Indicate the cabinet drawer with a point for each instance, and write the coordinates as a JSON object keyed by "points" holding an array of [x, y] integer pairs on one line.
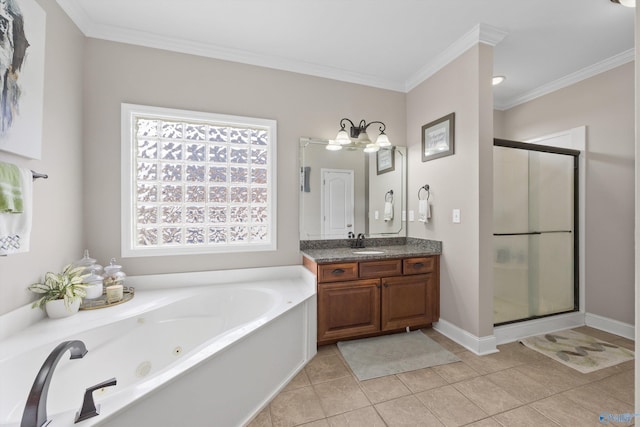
{"points": [[337, 272], [418, 265], [391, 267]]}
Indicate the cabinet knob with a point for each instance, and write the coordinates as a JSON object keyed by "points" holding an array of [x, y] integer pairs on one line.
{"points": [[386, 286], [337, 271]]}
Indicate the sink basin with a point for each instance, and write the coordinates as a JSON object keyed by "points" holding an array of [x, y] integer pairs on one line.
{"points": [[368, 252]]}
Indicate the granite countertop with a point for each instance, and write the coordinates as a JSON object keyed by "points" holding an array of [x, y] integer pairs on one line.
{"points": [[410, 248]]}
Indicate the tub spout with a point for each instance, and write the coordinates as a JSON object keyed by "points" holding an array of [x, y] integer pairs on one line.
{"points": [[35, 412]]}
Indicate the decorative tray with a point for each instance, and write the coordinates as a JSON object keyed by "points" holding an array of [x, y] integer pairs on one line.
{"points": [[101, 302]]}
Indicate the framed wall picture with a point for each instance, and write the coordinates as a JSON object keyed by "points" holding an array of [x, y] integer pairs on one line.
{"points": [[438, 138], [385, 160], [22, 31]]}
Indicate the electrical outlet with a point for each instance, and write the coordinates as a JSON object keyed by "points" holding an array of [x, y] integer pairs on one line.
{"points": [[456, 216], [376, 214], [404, 215]]}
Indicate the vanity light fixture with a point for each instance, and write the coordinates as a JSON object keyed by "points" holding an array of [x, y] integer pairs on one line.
{"points": [[496, 80], [360, 136], [627, 3]]}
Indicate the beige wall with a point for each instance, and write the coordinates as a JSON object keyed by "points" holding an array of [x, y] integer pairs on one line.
{"points": [[302, 105], [605, 104], [56, 237], [463, 181]]}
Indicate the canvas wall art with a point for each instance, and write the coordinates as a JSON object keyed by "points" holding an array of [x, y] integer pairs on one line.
{"points": [[22, 39]]}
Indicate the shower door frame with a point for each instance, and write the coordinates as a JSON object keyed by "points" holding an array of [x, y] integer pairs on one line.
{"points": [[498, 142]]}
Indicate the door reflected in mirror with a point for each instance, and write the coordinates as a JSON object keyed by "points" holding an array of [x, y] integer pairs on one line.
{"points": [[350, 191]]}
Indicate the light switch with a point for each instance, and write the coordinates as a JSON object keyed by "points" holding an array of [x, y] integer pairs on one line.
{"points": [[456, 216], [411, 216]]}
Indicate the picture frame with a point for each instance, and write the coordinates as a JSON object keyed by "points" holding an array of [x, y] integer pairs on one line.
{"points": [[438, 138], [22, 95], [385, 160]]}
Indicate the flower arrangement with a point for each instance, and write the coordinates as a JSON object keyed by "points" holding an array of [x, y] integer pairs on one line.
{"points": [[68, 285]]}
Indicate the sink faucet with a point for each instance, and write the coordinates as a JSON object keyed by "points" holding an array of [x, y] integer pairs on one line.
{"points": [[35, 412], [359, 242]]}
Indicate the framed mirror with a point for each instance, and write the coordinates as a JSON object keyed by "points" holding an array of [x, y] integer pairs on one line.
{"points": [[351, 191]]}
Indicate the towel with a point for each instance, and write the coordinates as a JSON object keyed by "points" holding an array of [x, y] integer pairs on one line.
{"points": [[10, 189], [388, 211], [424, 211], [15, 228]]}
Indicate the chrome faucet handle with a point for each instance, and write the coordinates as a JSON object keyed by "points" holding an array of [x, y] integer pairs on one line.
{"points": [[89, 408]]}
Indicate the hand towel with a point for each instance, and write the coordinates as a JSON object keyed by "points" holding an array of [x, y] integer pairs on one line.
{"points": [[388, 211], [10, 189], [424, 211], [15, 228]]}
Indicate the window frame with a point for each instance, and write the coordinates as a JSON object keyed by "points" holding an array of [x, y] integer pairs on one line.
{"points": [[129, 112]]}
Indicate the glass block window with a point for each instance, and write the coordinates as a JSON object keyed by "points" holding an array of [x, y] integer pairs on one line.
{"points": [[196, 182]]}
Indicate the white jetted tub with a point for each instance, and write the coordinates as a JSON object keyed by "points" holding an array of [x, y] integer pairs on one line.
{"points": [[190, 349]]}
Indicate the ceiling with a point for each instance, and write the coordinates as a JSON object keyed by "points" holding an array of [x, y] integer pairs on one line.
{"points": [[540, 45]]}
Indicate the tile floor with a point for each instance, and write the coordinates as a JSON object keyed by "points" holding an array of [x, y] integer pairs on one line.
{"points": [[515, 387]]}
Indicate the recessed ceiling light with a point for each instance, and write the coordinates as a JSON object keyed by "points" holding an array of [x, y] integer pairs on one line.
{"points": [[627, 3], [497, 80]]}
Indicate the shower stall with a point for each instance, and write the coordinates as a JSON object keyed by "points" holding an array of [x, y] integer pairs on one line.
{"points": [[535, 223]]}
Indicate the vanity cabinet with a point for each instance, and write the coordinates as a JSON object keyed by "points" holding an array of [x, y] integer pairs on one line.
{"points": [[367, 298]]}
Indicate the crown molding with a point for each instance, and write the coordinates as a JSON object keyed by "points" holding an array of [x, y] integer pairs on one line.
{"points": [[570, 79], [481, 33], [141, 38]]}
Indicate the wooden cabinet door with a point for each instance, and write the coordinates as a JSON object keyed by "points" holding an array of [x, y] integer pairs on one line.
{"points": [[348, 309], [409, 301]]}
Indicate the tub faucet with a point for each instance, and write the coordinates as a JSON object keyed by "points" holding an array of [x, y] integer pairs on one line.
{"points": [[35, 412]]}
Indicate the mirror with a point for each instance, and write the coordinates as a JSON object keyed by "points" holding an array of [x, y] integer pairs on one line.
{"points": [[351, 191]]}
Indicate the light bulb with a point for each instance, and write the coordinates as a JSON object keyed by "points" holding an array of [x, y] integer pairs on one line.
{"points": [[363, 138], [496, 80], [628, 3]]}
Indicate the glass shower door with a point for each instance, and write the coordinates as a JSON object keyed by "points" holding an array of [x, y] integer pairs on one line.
{"points": [[534, 233]]}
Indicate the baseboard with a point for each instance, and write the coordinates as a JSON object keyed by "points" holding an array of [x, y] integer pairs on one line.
{"points": [[610, 325], [515, 331], [478, 345]]}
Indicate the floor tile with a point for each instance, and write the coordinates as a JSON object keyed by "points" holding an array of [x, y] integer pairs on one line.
{"points": [[406, 411], [524, 416], [445, 342], [326, 368], [454, 372], [515, 387], [364, 417], [421, 379], [552, 376], [384, 388], [487, 422], [620, 386], [263, 419], [488, 396], [490, 363], [319, 423], [300, 380], [565, 412], [595, 399], [519, 385], [450, 406], [327, 350], [341, 395], [296, 407], [596, 333]]}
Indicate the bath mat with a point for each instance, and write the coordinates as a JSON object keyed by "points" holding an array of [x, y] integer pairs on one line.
{"points": [[579, 351], [392, 354]]}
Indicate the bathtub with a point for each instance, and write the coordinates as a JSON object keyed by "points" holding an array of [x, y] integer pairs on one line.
{"points": [[193, 349]]}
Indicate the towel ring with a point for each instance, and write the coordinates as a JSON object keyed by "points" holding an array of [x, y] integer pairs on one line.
{"points": [[388, 197], [425, 188]]}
